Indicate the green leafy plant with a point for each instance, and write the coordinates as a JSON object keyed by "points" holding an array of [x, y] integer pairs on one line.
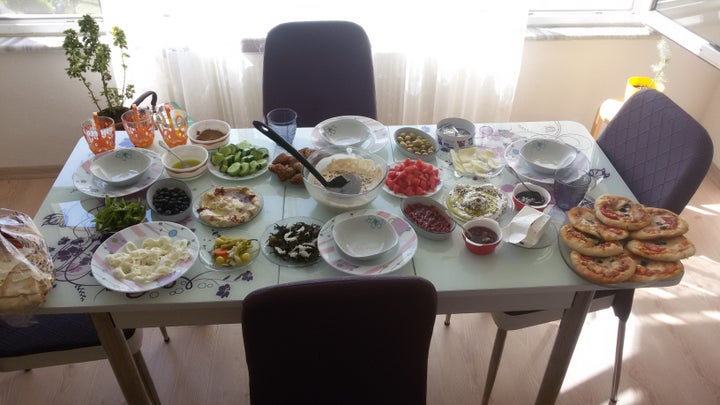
{"points": [[663, 61], [88, 55]]}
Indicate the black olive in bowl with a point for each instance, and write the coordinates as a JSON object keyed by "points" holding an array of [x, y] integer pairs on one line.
{"points": [[169, 200]]}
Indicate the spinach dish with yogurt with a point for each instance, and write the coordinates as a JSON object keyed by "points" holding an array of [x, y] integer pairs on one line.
{"points": [[296, 242], [468, 201]]}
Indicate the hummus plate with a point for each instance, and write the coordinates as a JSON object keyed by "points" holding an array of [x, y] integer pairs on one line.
{"points": [[224, 207]]}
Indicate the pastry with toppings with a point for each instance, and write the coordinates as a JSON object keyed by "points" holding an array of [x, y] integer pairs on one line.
{"points": [[468, 201], [583, 219], [621, 212], [663, 224]]}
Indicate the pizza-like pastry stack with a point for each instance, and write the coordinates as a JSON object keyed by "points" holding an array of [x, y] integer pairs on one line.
{"points": [[622, 240]]}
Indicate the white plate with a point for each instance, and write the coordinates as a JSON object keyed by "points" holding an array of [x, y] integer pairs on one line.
{"points": [[268, 251], [506, 215], [400, 195], [196, 206], [387, 263], [87, 183], [136, 234], [514, 160], [216, 171], [380, 133]]}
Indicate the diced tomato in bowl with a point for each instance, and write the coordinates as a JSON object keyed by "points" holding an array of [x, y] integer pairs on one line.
{"points": [[413, 177]]}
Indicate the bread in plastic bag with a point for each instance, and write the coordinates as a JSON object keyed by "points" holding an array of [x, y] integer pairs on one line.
{"points": [[26, 267]]}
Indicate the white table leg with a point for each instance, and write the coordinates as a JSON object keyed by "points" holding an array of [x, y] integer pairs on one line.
{"points": [[565, 341]]}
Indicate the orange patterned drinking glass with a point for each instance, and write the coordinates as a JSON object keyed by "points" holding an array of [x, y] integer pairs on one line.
{"points": [[140, 127], [99, 132], [173, 125]]}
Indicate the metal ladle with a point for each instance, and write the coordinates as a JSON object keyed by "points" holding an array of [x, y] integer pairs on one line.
{"points": [[344, 184], [183, 163]]}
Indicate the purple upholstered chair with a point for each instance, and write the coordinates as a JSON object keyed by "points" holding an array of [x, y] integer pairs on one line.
{"points": [[320, 69], [341, 340], [663, 155]]}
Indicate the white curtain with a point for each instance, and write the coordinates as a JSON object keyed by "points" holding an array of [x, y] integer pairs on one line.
{"points": [[432, 59]]}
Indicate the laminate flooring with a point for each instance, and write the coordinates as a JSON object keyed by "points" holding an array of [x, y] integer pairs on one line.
{"points": [[671, 346]]}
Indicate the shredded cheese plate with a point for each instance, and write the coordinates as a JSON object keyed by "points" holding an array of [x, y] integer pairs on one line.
{"points": [[145, 256]]}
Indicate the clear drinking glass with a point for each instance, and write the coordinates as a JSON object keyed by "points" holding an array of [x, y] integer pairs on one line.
{"points": [[571, 185], [284, 122]]}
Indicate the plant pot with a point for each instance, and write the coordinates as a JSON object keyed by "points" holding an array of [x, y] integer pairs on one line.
{"points": [[636, 83], [119, 112]]}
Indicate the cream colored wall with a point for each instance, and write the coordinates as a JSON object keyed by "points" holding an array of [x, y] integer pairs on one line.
{"points": [[40, 108]]}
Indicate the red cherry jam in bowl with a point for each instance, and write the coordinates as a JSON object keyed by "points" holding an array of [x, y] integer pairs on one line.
{"points": [[485, 235]]}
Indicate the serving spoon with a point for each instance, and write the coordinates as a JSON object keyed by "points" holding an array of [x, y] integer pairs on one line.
{"points": [[344, 184], [183, 163]]}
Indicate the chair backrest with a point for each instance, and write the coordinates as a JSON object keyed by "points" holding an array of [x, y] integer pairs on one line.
{"points": [[52, 340], [344, 340], [660, 151], [320, 69]]}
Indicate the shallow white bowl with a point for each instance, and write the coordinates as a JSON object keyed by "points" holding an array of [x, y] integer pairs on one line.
{"points": [[217, 125], [419, 135], [121, 167], [546, 156], [345, 132], [187, 152], [364, 237]]}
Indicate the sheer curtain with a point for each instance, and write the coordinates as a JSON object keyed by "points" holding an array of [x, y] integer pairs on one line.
{"points": [[432, 59]]}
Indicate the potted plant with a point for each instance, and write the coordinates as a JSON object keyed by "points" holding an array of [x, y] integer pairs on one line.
{"points": [[636, 83], [87, 55]]}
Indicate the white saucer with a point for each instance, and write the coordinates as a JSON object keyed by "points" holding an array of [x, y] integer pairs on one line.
{"points": [[387, 263], [87, 183]]}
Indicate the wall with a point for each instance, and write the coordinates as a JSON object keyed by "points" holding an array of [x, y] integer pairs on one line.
{"points": [[41, 109]]}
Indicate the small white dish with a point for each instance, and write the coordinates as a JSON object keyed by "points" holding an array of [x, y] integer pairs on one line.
{"points": [[345, 132], [193, 154], [121, 167], [380, 135], [547, 156], [218, 133], [364, 237]]}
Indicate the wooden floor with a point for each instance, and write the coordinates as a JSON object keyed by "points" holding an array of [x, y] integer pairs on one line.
{"points": [[672, 353]]}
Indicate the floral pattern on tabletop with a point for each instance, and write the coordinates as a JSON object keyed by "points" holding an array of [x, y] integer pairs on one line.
{"points": [[76, 241]]}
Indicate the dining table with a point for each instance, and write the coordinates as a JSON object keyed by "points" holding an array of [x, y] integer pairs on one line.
{"points": [[512, 278]]}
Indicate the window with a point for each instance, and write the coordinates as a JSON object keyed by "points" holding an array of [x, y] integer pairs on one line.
{"points": [[692, 25], [28, 17]]}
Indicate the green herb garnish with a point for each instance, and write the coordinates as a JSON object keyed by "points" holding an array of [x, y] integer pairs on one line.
{"points": [[119, 214]]}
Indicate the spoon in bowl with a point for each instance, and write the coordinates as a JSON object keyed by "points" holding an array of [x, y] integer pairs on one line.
{"points": [[344, 184], [184, 164], [464, 231], [534, 194]]}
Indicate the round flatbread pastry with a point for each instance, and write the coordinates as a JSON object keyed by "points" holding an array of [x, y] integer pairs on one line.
{"points": [[663, 224], [589, 245], [664, 250], [621, 212], [584, 219], [603, 270], [228, 206], [647, 270]]}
